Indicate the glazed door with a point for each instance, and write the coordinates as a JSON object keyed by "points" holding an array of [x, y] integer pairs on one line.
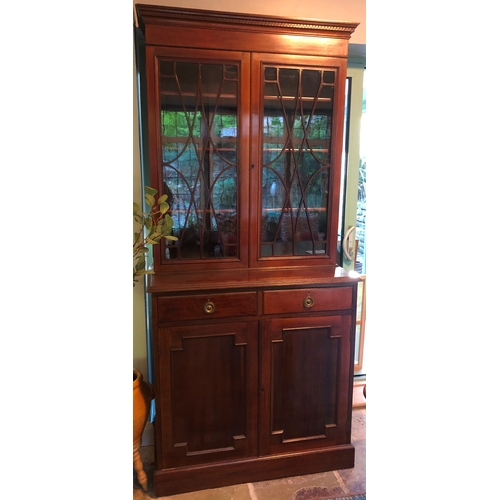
{"points": [[297, 110], [208, 401], [199, 124], [305, 387]]}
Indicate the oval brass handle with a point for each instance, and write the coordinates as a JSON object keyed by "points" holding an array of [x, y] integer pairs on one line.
{"points": [[308, 302], [209, 307]]}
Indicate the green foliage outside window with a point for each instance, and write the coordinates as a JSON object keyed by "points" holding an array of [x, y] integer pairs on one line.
{"points": [[177, 123]]}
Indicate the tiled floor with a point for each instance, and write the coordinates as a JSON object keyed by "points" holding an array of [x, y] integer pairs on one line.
{"points": [[311, 487]]}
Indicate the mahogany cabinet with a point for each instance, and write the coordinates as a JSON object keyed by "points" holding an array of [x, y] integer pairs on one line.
{"points": [[252, 319]]}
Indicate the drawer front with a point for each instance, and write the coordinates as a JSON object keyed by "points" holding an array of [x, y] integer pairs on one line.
{"points": [[207, 306], [307, 300]]}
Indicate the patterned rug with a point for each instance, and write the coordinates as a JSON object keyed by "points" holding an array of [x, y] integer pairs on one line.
{"points": [[350, 497], [326, 493]]}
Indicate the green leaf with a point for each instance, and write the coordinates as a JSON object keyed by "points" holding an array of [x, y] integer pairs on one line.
{"points": [[141, 263], [166, 228], [136, 208], [150, 200], [148, 224], [151, 241], [149, 191], [169, 222], [164, 208], [162, 199], [171, 238], [153, 231]]}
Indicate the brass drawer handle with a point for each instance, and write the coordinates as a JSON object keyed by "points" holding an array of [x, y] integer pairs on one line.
{"points": [[308, 302], [209, 307]]}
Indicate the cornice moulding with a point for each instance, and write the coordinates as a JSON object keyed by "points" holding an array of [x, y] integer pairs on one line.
{"points": [[155, 14]]}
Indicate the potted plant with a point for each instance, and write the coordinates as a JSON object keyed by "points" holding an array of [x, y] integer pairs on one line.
{"points": [[142, 397], [149, 228]]}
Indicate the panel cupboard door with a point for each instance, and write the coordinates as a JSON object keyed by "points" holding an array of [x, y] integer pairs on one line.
{"points": [[208, 400], [305, 391]]}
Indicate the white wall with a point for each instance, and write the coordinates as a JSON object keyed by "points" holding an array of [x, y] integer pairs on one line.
{"points": [[139, 335]]}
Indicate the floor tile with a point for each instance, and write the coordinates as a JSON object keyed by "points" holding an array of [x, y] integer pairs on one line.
{"points": [[297, 487], [355, 479]]}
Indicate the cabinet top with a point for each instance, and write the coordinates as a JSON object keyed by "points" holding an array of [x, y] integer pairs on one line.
{"points": [[249, 279], [163, 15]]}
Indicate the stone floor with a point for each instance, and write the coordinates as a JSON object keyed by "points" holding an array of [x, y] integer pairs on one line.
{"points": [[324, 485]]}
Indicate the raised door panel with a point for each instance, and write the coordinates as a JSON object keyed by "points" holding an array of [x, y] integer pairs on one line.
{"points": [[208, 401], [305, 389]]}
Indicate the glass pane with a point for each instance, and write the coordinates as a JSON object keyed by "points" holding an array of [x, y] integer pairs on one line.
{"points": [[297, 131], [343, 170], [356, 344], [199, 132], [361, 208]]}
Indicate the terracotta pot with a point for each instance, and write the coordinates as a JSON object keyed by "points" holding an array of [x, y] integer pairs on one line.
{"points": [[143, 394]]}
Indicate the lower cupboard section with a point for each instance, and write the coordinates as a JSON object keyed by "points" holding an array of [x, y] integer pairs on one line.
{"points": [[247, 401]]}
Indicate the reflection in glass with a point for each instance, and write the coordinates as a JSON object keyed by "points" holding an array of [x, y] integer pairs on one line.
{"points": [[297, 132], [199, 132]]}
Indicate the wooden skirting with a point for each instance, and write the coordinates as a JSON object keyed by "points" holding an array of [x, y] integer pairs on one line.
{"points": [[249, 470]]}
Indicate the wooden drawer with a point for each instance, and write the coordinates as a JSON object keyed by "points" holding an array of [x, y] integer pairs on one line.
{"points": [[307, 300], [206, 306]]}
